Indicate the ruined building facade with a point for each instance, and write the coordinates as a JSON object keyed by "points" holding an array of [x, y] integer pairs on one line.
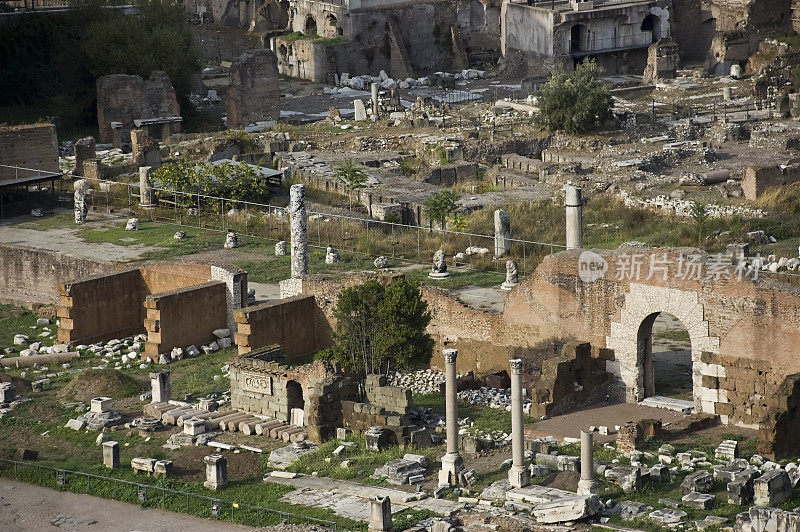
{"points": [[615, 34]]}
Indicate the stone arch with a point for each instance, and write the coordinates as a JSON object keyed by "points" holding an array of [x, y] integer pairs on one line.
{"points": [[296, 403], [578, 38], [651, 23], [310, 25], [642, 304]]}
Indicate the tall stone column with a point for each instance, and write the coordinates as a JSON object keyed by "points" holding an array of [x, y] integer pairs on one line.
{"points": [[574, 206], [299, 231], [502, 233], [587, 484], [452, 464], [519, 475]]}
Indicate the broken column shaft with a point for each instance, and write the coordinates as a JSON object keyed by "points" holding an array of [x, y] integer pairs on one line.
{"points": [[299, 231], [518, 475], [574, 206], [587, 485]]}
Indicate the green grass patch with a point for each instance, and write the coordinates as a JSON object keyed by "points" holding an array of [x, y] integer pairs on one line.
{"points": [[17, 320], [409, 517], [459, 279], [362, 463]]}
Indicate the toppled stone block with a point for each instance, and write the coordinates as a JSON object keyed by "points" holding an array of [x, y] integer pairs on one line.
{"points": [[399, 471], [75, 424], [701, 501], [726, 450], [697, 482], [667, 516], [660, 473], [628, 510], [629, 478], [285, 456], [567, 509], [740, 490], [771, 488]]}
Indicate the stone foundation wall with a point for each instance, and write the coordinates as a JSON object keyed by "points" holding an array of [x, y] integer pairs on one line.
{"points": [[393, 399], [31, 277], [757, 180], [185, 316], [293, 323], [29, 146], [359, 417], [779, 434]]}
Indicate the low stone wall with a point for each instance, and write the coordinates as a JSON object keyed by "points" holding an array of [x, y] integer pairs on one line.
{"points": [[31, 277], [449, 175], [182, 317], [360, 417], [293, 323], [393, 399], [270, 388], [101, 307]]}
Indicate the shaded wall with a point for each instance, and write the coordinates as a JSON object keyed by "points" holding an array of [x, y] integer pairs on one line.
{"points": [[293, 323], [185, 316], [101, 307], [31, 276], [29, 146]]}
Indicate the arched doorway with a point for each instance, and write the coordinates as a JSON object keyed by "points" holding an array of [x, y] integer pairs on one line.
{"points": [[311, 25], [664, 352], [578, 37], [283, 53], [330, 25], [652, 24], [296, 404]]}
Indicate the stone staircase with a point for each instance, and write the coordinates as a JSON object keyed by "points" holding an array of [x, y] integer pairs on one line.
{"points": [[228, 421]]}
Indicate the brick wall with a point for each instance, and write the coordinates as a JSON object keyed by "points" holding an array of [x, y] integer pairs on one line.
{"points": [[31, 276], [183, 317], [101, 307], [757, 180], [30, 146], [293, 323]]}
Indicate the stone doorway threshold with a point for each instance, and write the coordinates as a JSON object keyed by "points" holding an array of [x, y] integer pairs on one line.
{"points": [[669, 403]]}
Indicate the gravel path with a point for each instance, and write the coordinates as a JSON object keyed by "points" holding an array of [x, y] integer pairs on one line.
{"points": [[29, 507]]}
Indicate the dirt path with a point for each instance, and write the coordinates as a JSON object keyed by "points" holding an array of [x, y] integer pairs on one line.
{"points": [[67, 240], [28, 507]]}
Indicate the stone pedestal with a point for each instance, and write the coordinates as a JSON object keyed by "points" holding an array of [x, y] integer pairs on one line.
{"points": [[111, 454], [100, 404], [452, 463], [518, 476], [380, 518], [216, 472], [452, 469], [376, 438], [160, 386], [587, 485], [574, 206]]}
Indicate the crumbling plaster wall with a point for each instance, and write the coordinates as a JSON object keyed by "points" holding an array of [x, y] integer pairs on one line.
{"points": [[123, 98]]}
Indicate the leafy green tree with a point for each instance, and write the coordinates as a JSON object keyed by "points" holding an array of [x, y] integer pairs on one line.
{"points": [[441, 206], [699, 213], [357, 326], [574, 102], [350, 174], [380, 328], [404, 317]]}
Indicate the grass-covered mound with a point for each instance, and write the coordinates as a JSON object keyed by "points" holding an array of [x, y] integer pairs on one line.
{"points": [[100, 382]]}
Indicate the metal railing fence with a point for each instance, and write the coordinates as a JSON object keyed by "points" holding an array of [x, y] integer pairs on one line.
{"points": [[153, 495]]}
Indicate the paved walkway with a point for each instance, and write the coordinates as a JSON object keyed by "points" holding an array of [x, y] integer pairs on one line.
{"points": [[67, 240], [30, 507], [352, 500]]}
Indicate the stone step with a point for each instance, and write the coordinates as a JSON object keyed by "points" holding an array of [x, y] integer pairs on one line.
{"points": [[669, 403]]}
